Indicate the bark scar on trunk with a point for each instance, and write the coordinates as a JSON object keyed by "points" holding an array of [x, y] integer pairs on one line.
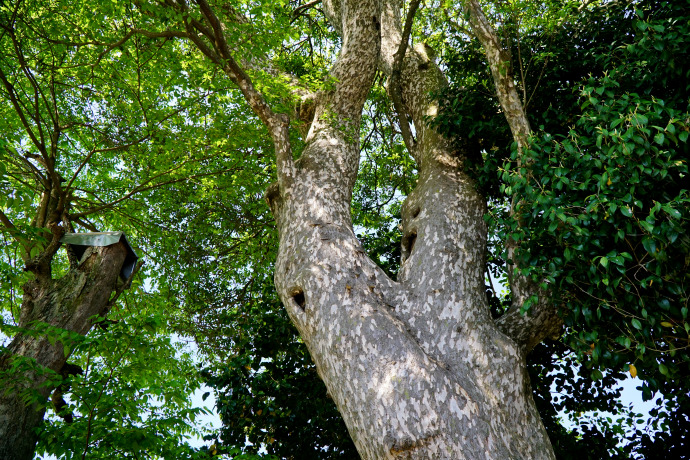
{"points": [[403, 448], [272, 197], [408, 242]]}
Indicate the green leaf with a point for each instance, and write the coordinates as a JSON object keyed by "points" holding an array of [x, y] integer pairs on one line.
{"points": [[649, 245], [647, 226], [604, 261], [674, 213]]}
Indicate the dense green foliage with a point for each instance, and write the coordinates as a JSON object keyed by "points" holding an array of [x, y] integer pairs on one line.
{"points": [[603, 214], [132, 399], [151, 138], [268, 392], [120, 124]]}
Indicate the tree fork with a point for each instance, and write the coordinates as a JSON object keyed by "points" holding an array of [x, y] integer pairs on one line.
{"points": [[416, 367]]}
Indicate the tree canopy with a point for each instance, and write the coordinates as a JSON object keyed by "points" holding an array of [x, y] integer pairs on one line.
{"points": [[123, 116]]}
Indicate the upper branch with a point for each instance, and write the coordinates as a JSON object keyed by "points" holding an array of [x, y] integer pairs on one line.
{"points": [[209, 37], [395, 87], [147, 185], [11, 92], [8, 226], [499, 62], [300, 9], [220, 45], [541, 320], [413, 77], [359, 25]]}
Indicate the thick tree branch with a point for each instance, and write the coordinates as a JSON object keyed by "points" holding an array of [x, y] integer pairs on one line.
{"points": [[14, 233], [530, 328], [419, 77]]}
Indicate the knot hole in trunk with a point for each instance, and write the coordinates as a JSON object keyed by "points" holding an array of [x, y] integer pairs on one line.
{"points": [[408, 243], [299, 299]]}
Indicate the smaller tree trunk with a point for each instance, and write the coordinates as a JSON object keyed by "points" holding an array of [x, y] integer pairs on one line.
{"points": [[68, 303]]}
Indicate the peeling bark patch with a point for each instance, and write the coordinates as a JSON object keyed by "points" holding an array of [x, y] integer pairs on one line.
{"points": [[403, 447]]}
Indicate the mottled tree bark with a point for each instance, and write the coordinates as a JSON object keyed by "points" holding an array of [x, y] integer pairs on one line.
{"points": [[68, 303], [417, 367]]}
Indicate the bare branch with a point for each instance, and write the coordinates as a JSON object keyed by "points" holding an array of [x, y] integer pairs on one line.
{"points": [[297, 11], [395, 88], [499, 62], [87, 225], [107, 149], [20, 112], [143, 188], [38, 93], [24, 161], [456, 25]]}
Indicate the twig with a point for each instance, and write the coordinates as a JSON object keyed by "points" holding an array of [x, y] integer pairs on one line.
{"points": [[395, 88], [297, 11]]}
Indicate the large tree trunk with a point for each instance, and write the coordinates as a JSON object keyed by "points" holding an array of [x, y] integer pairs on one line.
{"points": [[417, 367], [69, 303]]}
